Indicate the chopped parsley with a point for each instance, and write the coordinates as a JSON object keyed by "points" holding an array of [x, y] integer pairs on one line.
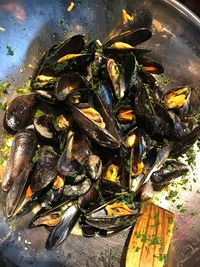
{"points": [[3, 105], [36, 156], [161, 257], [181, 208], [191, 157], [165, 79], [3, 87], [137, 249], [144, 238], [5, 147], [24, 89], [155, 240], [10, 51], [62, 23], [170, 220], [172, 195]]}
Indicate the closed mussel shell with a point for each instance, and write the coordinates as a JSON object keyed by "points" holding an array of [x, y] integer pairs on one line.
{"points": [[19, 113], [22, 151], [44, 171]]}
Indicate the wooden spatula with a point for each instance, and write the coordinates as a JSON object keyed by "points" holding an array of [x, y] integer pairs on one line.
{"points": [[150, 237]]}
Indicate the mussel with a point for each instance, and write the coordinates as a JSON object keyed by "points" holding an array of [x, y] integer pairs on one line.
{"points": [[23, 149], [19, 113], [61, 231], [97, 123]]}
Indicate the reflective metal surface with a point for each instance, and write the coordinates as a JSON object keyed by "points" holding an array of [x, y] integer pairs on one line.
{"points": [[31, 27]]}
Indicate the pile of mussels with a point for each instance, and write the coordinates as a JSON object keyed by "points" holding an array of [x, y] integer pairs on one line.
{"points": [[95, 137]]}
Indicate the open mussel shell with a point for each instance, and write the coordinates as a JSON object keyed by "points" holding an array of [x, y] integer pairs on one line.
{"points": [[116, 77], [49, 219], [46, 97], [177, 98], [110, 189], [152, 117], [106, 135], [19, 113], [49, 216], [153, 162], [23, 150], [58, 187], [62, 123], [73, 63], [130, 37], [68, 83], [150, 65], [61, 231], [123, 218], [94, 167], [134, 21], [44, 127], [75, 154], [113, 170], [73, 45], [43, 82], [122, 78], [77, 190], [125, 116]]}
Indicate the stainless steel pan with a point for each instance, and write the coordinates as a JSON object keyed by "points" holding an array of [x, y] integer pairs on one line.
{"points": [[33, 26]]}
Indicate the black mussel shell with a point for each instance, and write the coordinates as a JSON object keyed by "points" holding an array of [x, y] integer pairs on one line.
{"points": [[16, 191], [68, 83], [61, 231], [22, 151], [73, 45], [46, 97], [131, 37], [170, 171], [75, 154], [49, 216], [44, 127], [90, 198], [44, 171], [108, 136], [19, 113], [150, 65], [186, 142], [106, 95]]}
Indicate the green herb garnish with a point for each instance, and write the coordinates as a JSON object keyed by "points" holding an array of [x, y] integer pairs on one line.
{"points": [[10, 52], [62, 23], [161, 257], [165, 79]]}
